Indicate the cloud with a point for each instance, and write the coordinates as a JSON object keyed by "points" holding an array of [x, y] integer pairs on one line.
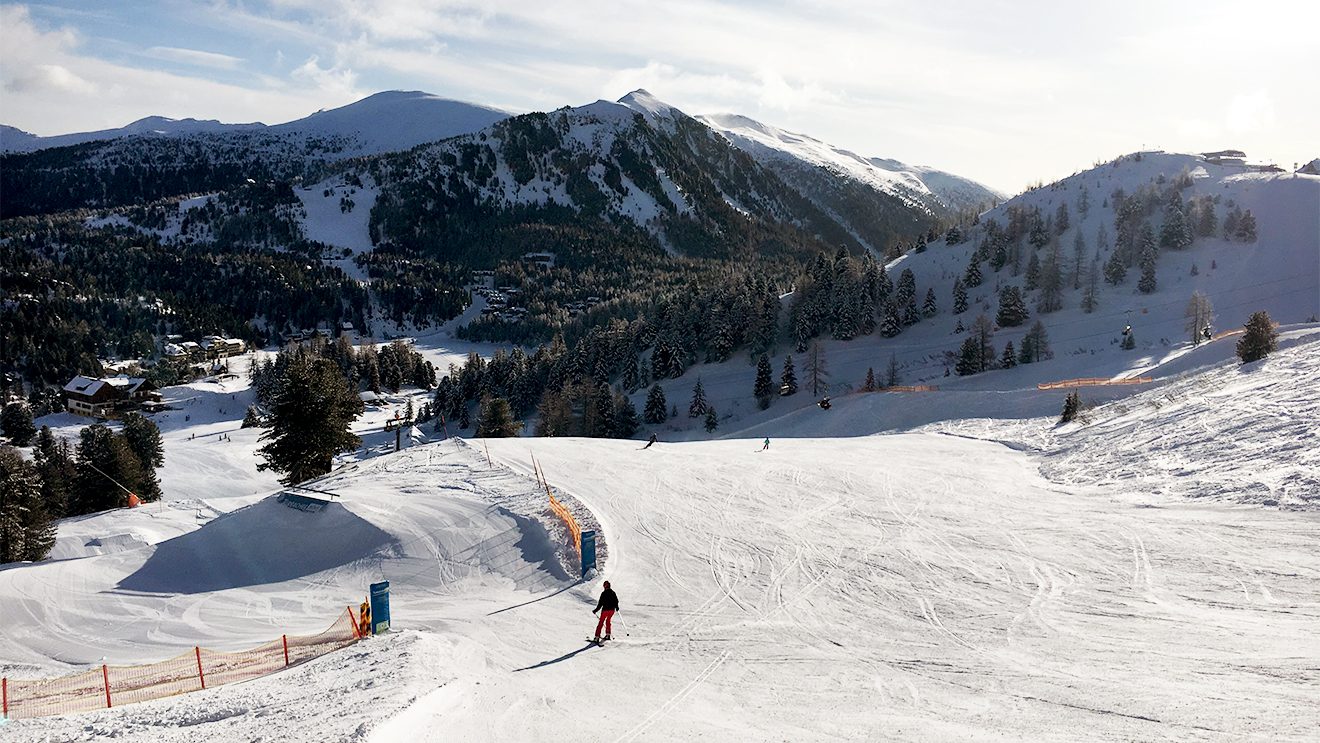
{"points": [[43, 77], [338, 82], [194, 57]]}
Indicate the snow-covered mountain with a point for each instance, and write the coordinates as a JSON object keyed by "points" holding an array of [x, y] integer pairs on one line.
{"points": [[797, 156], [384, 122], [639, 161]]}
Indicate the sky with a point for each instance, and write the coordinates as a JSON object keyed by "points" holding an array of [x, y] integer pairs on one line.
{"points": [[1007, 92]]}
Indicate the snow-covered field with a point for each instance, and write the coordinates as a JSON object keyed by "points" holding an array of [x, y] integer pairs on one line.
{"points": [[934, 584]]}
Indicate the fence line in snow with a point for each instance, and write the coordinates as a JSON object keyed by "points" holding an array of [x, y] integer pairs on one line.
{"points": [[112, 686]]}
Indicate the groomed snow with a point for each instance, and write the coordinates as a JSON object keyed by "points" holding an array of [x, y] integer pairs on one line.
{"points": [[913, 586]]}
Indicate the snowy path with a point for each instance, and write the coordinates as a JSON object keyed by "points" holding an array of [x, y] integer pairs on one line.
{"points": [[908, 587]]}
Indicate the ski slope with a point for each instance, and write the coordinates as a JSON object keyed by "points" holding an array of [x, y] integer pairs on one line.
{"points": [[911, 586]]}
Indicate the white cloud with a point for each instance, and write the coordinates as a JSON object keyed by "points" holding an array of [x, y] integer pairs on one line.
{"points": [[194, 57]]}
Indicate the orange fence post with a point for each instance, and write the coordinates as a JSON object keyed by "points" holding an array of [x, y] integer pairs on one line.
{"points": [[197, 649], [105, 674], [4, 692], [286, 648], [352, 618]]}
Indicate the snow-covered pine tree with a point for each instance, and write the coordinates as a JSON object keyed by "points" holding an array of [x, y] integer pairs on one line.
{"points": [[906, 291], [1012, 310], [697, 407], [869, 384], [712, 420], [16, 422], [1175, 233], [625, 417], [1061, 220], [657, 409], [27, 531], [1035, 344], [911, 316], [959, 297], [892, 324], [929, 308], [972, 276], [1009, 358], [495, 420]]}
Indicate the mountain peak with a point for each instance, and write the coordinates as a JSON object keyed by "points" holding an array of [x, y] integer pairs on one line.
{"points": [[648, 105]]}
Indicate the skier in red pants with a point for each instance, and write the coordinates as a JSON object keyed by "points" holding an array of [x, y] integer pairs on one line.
{"points": [[607, 605]]}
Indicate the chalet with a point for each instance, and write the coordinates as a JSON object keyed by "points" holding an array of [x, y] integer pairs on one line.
{"points": [[102, 398], [217, 347], [540, 259]]}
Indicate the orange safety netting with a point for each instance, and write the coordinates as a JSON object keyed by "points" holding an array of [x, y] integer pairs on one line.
{"points": [[1092, 382], [196, 669], [560, 509]]}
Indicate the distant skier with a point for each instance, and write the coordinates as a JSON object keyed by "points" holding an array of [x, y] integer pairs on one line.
{"points": [[607, 605], [1206, 332], [766, 445], [649, 442], [1127, 330], [824, 403]]}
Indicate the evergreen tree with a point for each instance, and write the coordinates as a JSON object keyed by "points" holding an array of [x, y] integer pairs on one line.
{"points": [[869, 384], [1260, 340], [1246, 228], [697, 407], [632, 374], [27, 531], [1175, 233], [464, 417], [1051, 282], [1091, 295], [1079, 259], [495, 420], [1231, 223], [712, 420], [906, 290], [625, 417], [959, 297], [53, 458], [1115, 271], [1072, 405], [143, 438], [1012, 310], [764, 387], [929, 308], [105, 467], [1206, 221], [1199, 315], [1009, 359], [1035, 344], [1129, 342], [1031, 279], [309, 422], [892, 325], [818, 375], [657, 409], [1147, 283], [16, 421], [251, 419], [976, 353], [972, 277], [788, 379], [910, 315], [1061, 220]]}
